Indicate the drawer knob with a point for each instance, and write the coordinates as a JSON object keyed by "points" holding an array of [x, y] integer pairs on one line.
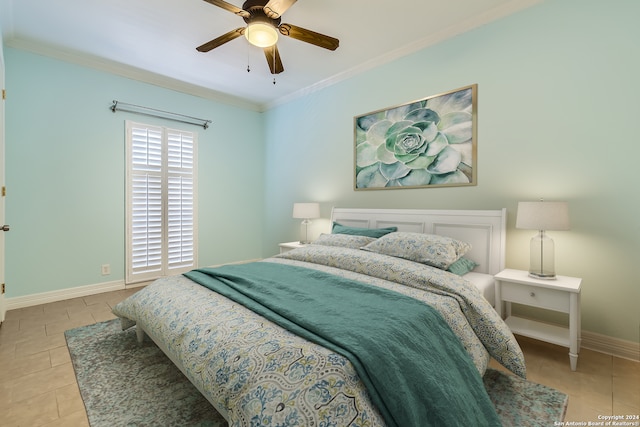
{"points": [[532, 294]]}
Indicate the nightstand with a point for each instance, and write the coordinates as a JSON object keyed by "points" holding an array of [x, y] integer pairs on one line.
{"points": [[289, 246], [561, 294]]}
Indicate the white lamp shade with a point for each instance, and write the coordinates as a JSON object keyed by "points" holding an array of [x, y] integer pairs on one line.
{"points": [[306, 210], [543, 216], [261, 34]]}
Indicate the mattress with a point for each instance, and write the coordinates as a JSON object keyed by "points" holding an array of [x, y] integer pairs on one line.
{"points": [[485, 284]]}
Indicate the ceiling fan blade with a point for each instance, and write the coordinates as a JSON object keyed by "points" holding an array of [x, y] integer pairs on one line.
{"points": [[275, 8], [228, 6], [273, 59], [309, 36], [221, 40]]}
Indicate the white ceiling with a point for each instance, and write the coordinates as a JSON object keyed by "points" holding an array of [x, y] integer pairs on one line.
{"points": [[155, 40]]}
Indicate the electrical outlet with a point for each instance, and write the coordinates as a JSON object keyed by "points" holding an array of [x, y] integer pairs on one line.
{"points": [[106, 269]]}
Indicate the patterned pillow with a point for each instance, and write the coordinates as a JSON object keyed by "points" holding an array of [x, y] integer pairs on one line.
{"points": [[360, 231], [436, 251], [343, 240]]}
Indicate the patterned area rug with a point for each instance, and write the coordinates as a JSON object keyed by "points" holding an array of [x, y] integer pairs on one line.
{"points": [[123, 383], [522, 403]]}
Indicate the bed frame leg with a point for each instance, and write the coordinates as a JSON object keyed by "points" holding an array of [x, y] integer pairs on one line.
{"points": [[139, 334]]}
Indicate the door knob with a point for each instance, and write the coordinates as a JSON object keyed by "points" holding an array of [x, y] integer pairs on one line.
{"points": [[5, 228]]}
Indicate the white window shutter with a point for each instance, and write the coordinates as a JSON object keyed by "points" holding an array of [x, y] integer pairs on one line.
{"points": [[146, 224], [180, 199], [161, 202]]}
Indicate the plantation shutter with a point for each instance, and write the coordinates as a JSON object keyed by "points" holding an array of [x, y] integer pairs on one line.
{"points": [[161, 195], [180, 200], [146, 200]]}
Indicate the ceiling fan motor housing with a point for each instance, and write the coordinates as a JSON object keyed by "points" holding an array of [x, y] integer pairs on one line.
{"points": [[257, 13]]}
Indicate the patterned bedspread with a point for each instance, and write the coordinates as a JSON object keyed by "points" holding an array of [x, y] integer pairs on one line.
{"points": [[256, 373]]}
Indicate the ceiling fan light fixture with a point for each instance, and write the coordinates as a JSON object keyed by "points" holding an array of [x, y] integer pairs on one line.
{"points": [[261, 34]]}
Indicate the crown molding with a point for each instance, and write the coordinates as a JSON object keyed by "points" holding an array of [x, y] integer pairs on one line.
{"points": [[150, 77], [123, 70], [447, 33]]}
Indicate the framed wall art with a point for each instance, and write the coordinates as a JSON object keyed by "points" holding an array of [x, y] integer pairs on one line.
{"points": [[427, 143]]}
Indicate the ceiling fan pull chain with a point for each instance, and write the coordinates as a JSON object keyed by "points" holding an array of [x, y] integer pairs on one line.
{"points": [[274, 65]]}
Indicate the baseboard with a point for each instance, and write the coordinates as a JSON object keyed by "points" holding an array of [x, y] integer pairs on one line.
{"points": [[81, 291], [609, 345], [62, 294]]}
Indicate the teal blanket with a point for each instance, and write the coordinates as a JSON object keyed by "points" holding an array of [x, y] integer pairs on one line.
{"points": [[416, 370]]}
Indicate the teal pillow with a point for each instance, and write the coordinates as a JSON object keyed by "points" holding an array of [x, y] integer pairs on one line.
{"points": [[359, 231], [462, 266]]}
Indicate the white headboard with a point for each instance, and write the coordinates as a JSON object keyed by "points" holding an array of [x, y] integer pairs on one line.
{"points": [[485, 230]]}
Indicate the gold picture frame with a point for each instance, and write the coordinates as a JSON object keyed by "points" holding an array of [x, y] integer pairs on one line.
{"points": [[431, 142]]}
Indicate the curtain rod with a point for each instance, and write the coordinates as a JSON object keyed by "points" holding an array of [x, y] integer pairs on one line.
{"points": [[138, 109]]}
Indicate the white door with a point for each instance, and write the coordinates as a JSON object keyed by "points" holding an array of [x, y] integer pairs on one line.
{"points": [[2, 195]]}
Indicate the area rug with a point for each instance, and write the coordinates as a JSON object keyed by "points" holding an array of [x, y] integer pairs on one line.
{"points": [[123, 383], [524, 403]]}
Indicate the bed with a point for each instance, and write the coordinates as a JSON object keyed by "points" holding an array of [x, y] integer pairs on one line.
{"points": [[346, 331]]}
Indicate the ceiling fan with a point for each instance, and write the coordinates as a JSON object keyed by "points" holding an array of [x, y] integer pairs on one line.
{"points": [[263, 25]]}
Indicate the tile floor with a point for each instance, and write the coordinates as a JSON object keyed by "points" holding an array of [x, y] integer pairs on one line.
{"points": [[38, 386]]}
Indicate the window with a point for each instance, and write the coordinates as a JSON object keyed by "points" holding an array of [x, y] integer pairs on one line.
{"points": [[161, 202]]}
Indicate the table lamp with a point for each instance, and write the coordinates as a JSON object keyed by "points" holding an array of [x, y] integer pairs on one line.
{"points": [[306, 211], [542, 216]]}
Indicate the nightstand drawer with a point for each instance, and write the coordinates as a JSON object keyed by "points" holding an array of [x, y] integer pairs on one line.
{"points": [[535, 296]]}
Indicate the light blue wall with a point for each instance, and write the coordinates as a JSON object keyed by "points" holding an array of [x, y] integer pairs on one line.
{"points": [[65, 161], [558, 111]]}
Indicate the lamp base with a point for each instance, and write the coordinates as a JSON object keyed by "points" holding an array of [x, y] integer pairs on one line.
{"points": [[542, 265], [305, 239], [542, 276]]}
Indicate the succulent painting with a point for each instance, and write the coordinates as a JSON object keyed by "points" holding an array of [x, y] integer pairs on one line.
{"points": [[427, 142]]}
